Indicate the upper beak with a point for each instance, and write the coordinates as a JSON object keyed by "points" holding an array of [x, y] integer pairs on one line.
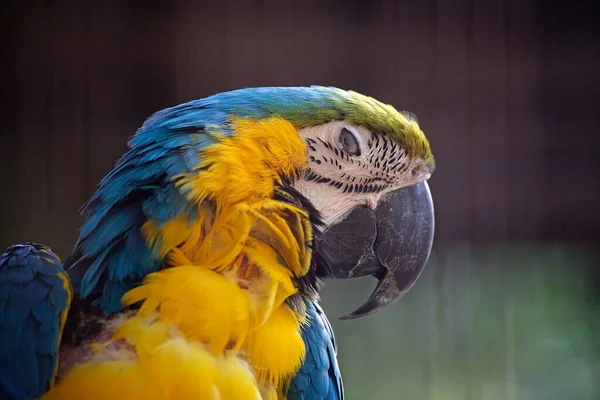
{"points": [[391, 243]]}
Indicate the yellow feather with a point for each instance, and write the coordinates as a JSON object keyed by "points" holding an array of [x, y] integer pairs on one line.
{"points": [[235, 380], [276, 350], [143, 332], [171, 234], [204, 305], [308, 238], [263, 294], [177, 257], [294, 250], [247, 165], [63, 315], [262, 229], [173, 369], [275, 281], [270, 228], [225, 241], [269, 393], [300, 227], [266, 259], [300, 234]]}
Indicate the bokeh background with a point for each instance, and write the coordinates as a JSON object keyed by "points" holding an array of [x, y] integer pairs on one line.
{"points": [[507, 92]]}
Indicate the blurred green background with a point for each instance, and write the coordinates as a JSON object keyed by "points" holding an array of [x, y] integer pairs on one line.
{"points": [[482, 323], [506, 90]]}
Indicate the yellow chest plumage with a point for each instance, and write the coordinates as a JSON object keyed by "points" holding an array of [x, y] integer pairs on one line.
{"points": [[215, 324]]}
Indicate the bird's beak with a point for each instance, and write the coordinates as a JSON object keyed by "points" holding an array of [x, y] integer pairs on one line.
{"points": [[391, 243]]}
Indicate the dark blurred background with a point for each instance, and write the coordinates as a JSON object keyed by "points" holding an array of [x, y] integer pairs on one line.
{"points": [[507, 92]]}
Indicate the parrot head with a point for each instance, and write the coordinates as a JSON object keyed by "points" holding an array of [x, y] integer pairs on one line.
{"points": [[366, 176], [368, 181]]}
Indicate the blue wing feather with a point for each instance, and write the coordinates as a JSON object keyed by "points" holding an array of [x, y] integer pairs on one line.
{"points": [[33, 302], [111, 256], [319, 377]]}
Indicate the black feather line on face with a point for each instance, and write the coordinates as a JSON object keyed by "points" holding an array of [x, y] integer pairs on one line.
{"points": [[350, 184], [310, 284]]}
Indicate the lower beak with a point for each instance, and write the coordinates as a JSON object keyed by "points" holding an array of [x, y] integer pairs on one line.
{"points": [[391, 243]]}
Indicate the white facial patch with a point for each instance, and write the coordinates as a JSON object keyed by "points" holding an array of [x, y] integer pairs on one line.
{"points": [[337, 180]]}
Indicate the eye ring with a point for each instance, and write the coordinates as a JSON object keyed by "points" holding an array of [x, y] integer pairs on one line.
{"points": [[349, 142]]}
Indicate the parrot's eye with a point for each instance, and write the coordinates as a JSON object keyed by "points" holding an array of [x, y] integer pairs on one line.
{"points": [[349, 142]]}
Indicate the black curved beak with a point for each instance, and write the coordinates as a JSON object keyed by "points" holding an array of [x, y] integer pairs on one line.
{"points": [[391, 243]]}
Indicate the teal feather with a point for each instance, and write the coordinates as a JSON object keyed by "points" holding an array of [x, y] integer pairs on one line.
{"points": [[95, 271], [113, 291], [319, 377]]}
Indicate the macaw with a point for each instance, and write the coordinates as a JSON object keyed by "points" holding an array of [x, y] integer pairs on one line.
{"points": [[198, 266]]}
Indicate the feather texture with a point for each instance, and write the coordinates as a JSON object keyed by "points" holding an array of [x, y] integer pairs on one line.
{"points": [[35, 294], [319, 377], [195, 336], [155, 361]]}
